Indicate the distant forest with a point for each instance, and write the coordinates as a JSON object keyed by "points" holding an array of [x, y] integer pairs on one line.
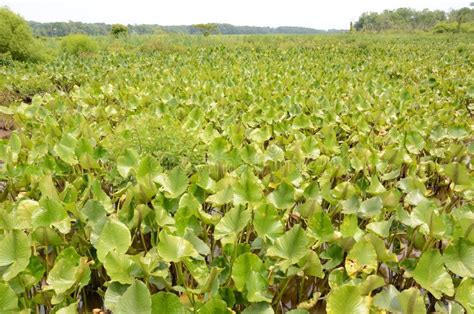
{"points": [[405, 19], [65, 28]]}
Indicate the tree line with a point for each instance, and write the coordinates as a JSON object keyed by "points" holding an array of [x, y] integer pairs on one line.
{"points": [[59, 29], [405, 19]]}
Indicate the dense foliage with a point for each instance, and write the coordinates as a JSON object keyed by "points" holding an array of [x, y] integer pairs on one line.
{"points": [[77, 44], [16, 38], [405, 19], [54, 29], [326, 173]]}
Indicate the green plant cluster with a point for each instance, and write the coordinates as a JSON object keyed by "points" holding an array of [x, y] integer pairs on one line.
{"points": [[334, 175]]}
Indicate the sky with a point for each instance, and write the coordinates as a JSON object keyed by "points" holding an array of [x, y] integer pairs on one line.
{"points": [[308, 13]]}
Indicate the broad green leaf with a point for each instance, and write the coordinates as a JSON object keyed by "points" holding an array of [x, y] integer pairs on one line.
{"points": [[257, 288], [459, 258], [458, 173], [114, 291], [247, 189], [283, 196], [344, 191], [388, 300], [320, 224], [267, 222], [175, 249], [118, 267], [66, 148], [290, 247], [68, 270], [135, 300], [431, 274], [127, 162], [233, 222], [361, 258], [49, 212], [381, 228], [465, 294], [258, 308], [166, 302], [174, 183], [411, 302], [214, 306], [371, 207], [15, 254], [243, 266], [311, 265], [70, 309], [114, 236], [375, 188], [8, 299], [347, 300]]}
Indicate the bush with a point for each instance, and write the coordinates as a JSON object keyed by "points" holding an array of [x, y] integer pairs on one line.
{"points": [[16, 38], [452, 27], [78, 44], [118, 30]]}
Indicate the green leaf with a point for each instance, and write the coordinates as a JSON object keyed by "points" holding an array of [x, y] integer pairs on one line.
{"points": [[376, 188], [431, 274], [283, 196], [214, 306], [259, 308], [113, 294], [371, 207], [257, 288], [127, 162], [459, 258], [381, 228], [49, 212], [347, 300], [458, 173], [267, 222], [118, 267], [411, 302], [135, 300], [311, 265], [15, 252], [243, 266], [68, 270], [70, 309], [361, 258], [8, 298], [465, 294], [174, 183], [233, 222], [114, 236], [175, 249], [166, 302], [291, 246], [320, 224], [66, 148], [387, 300], [247, 189]]}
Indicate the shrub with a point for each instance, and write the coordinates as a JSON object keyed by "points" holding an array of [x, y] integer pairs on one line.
{"points": [[16, 38], [78, 44], [118, 30]]}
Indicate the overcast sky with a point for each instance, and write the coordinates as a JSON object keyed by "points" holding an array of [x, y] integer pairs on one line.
{"points": [[310, 13]]}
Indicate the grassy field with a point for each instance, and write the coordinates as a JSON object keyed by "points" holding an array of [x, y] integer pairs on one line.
{"points": [[254, 174]]}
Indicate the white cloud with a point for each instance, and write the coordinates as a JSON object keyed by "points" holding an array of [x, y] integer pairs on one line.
{"points": [[315, 13]]}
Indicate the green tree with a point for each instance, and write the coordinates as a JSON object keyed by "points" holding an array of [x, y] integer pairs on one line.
{"points": [[118, 30], [461, 16], [206, 29], [16, 37]]}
